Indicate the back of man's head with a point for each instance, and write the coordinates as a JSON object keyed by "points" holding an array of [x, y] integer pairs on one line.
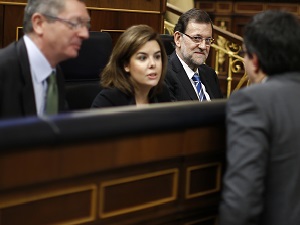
{"points": [[274, 36]]}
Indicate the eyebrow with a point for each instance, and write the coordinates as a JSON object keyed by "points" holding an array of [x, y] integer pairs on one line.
{"points": [[148, 53]]}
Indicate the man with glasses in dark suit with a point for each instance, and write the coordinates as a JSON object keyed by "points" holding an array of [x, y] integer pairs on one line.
{"points": [[188, 77]]}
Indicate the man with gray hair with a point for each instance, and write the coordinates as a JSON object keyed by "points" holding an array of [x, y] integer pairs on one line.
{"points": [[31, 83]]}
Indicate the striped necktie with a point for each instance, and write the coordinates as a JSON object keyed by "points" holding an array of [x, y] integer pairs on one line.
{"points": [[51, 106], [198, 85]]}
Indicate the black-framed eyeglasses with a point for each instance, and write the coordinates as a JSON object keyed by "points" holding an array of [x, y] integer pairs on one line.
{"points": [[199, 39], [80, 23]]}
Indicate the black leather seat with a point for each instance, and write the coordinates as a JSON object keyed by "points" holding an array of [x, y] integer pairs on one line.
{"points": [[82, 74], [168, 41]]}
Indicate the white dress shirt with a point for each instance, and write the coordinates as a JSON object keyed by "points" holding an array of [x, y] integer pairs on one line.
{"points": [[40, 70]]}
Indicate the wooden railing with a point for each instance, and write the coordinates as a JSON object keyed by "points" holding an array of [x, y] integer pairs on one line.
{"points": [[225, 56]]}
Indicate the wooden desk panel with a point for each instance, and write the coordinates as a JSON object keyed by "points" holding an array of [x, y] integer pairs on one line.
{"points": [[113, 15], [130, 179], [140, 5], [165, 168]]}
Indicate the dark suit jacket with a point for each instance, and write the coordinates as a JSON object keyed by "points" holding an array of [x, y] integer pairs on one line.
{"points": [[109, 97], [16, 88], [180, 86], [262, 179]]}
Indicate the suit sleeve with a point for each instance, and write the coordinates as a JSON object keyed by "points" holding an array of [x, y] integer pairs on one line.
{"points": [[247, 155]]}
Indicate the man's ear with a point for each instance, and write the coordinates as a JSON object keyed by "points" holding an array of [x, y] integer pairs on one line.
{"points": [[177, 37], [255, 71], [37, 23], [255, 63]]}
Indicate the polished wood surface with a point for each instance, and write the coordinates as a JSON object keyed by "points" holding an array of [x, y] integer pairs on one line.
{"points": [[113, 16], [102, 168], [234, 15]]}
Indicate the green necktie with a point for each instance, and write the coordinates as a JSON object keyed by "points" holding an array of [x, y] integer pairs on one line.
{"points": [[52, 95]]}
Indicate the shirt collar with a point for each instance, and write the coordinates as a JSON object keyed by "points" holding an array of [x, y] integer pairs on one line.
{"points": [[190, 73], [39, 65], [265, 79]]}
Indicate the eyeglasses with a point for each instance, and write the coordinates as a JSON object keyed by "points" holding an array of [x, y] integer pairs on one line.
{"points": [[73, 25], [199, 39]]}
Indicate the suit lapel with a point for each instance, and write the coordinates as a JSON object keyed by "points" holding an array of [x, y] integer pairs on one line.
{"points": [[61, 89], [183, 78], [203, 77], [28, 98]]}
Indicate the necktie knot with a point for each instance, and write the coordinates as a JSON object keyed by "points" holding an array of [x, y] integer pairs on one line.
{"points": [[51, 79], [196, 79]]}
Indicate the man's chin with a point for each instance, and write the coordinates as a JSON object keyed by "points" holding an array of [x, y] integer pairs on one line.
{"points": [[74, 53], [199, 62]]}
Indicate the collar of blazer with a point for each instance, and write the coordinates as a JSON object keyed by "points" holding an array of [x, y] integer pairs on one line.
{"points": [[182, 77]]}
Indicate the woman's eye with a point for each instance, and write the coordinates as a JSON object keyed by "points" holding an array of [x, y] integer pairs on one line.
{"points": [[142, 57], [157, 56]]}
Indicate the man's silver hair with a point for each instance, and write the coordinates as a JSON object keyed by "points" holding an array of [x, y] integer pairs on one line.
{"points": [[49, 7]]}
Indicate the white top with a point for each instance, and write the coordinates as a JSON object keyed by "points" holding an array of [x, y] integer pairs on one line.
{"points": [[40, 70]]}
